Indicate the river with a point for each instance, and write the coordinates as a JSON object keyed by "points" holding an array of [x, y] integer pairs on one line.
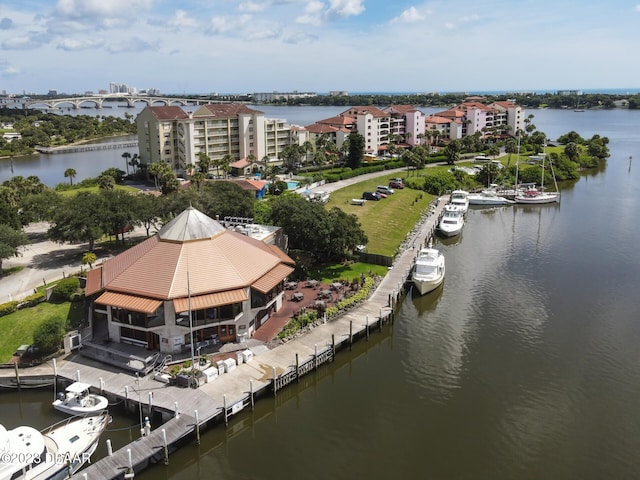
{"points": [[523, 365]]}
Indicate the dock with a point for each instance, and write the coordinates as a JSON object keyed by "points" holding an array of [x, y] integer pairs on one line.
{"points": [[185, 412], [86, 147]]}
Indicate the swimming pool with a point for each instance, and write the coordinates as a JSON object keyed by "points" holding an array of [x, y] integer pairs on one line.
{"points": [[292, 185]]}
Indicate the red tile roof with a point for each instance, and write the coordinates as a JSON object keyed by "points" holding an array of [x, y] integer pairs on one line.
{"points": [[168, 113], [225, 110], [363, 110]]}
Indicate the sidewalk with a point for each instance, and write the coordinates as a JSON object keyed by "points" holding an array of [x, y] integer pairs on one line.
{"points": [[44, 262]]}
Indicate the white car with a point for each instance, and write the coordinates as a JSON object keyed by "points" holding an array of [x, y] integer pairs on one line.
{"points": [[385, 190]]}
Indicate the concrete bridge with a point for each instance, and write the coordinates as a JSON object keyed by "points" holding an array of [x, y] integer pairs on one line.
{"points": [[97, 101]]}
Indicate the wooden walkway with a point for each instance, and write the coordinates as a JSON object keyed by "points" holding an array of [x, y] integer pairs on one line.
{"points": [[232, 392]]}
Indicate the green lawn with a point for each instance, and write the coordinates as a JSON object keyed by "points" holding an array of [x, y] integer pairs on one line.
{"points": [[17, 328], [94, 189], [330, 273], [386, 222]]}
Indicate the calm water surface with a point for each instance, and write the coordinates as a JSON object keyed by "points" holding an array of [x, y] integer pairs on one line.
{"points": [[523, 365]]}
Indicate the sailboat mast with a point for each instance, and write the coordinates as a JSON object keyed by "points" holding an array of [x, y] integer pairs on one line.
{"points": [[515, 187]]}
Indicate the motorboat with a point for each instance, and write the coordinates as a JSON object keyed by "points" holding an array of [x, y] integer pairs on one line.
{"points": [[488, 197], [55, 453], [460, 199], [452, 221], [77, 399], [429, 269]]}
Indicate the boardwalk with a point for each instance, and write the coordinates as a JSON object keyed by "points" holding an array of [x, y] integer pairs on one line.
{"points": [[232, 392]]}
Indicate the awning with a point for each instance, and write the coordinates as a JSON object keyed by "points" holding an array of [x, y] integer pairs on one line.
{"points": [[273, 278], [129, 302], [200, 302]]}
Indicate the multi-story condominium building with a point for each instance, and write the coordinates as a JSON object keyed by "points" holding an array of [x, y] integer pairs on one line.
{"points": [[174, 136], [406, 122], [276, 96], [473, 117], [373, 124]]}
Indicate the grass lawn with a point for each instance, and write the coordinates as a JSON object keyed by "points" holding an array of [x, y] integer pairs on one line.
{"points": [[386, 222], [329, 273], [17, 328], [94, 189]]}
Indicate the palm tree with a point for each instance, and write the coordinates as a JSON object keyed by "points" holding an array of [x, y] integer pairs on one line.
{"points": [[70, 173], [198, 178], [510, 147], [126, 156], [134, 162]]}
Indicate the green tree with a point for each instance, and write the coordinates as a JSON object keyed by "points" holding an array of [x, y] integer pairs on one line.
{"points": [[89, 258], [126, 156], [510, 147], [226, 199], [356, 150], [79, 219], [10, 241], [198, 178], [119, 213], [49, 334], [572, 151], [452, 151], [106, 182], [70, 173], [204, 162]]}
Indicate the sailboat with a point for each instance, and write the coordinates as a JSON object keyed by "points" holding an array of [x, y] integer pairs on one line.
{"points": [[532, 195], [578, 109]]}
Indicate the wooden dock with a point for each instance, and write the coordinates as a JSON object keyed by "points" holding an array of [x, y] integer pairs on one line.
{"points": [[230, 393], [86, 147]]}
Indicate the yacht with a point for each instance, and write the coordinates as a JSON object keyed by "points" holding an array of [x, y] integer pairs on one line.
{"points": [[55, 453], [78, 400], [488, 197], [452, 221], [428, 271], [460, 198]]}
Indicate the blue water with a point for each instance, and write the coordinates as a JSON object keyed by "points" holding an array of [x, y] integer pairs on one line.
{"points": [[292, 185]]}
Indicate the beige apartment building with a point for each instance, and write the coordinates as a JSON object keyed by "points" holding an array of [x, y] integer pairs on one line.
{"points": [[171, 135]]}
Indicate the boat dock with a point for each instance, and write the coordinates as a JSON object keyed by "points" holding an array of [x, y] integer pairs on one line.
{"points": [[186, 412], [86, 147]]}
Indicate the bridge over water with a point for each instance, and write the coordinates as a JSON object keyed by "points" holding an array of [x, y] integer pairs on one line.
{"points": [[97, 101]]}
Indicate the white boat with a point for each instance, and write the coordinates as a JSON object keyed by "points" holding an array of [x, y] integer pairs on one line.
{"points": [[55, 453], [488, 197], [428, 271], [460, 199], [452, 221], [78, 400]]}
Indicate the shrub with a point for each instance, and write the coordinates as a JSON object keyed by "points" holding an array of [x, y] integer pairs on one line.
{"points": [[33, 300], [48, 335], [66, 289], [7, 308]]}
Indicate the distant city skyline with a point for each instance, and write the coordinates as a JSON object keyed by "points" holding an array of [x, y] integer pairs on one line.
{"points": [[314, 45]]}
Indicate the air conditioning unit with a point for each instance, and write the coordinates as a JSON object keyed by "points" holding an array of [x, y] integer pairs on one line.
{"points": [[72, 341]]}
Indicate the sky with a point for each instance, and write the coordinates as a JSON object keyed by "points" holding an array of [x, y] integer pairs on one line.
{"points": [[237, 46]]}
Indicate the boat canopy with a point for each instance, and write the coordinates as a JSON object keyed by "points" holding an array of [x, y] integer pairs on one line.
{"points": [[78, 387]]}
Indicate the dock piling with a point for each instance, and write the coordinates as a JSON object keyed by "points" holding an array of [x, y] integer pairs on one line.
{"points": [[251, 393], [177, 412], [130, 473], [126, 397], [275, 386], [366, 325], [333, 347], [224, 406], [101, 385], [166, 447], [15, 366], [297, 369], [350, 334], [195, 414], [109, 448], [315, 356]]}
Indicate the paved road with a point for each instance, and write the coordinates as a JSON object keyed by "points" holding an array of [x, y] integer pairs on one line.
{"points": [[44, 262]]}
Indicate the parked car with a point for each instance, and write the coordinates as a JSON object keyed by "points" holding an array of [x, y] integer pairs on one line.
{"points": [[396, 183], [385, 190], [371, 196]]}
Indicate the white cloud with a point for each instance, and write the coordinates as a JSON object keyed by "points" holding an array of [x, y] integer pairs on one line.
{"points": [[268, 34], [317, 12], [219, 25], [638, 8], [345, 8], [102, 8], [24, 42], [132, 45], [252, 7], [410, 15], [300, 37], [74, 45], [7, 70], [182, 20]]}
